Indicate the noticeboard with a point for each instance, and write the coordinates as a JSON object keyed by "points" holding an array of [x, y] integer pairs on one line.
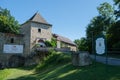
{"points": [[12, 48], [100, 46]]}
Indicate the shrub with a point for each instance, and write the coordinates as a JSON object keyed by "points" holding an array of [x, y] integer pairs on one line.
{"points": [[48, 44], [54, 59], [52, 43]]}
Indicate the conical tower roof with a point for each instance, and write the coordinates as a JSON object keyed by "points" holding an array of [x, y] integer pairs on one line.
{"points": [[38, 18]]}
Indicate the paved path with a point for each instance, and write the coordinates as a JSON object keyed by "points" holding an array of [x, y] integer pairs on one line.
{"points": [[110, 61]]}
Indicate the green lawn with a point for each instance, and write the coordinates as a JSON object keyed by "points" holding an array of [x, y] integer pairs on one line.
{"points": [[15, 73], [4, 73], [62, 71], [66, 72]]}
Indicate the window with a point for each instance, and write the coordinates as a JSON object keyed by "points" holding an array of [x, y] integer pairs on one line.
{"points": [[39, 30], [12, 40]]}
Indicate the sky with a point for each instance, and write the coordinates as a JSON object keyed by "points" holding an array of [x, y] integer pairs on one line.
{"points": [[68, 17]]}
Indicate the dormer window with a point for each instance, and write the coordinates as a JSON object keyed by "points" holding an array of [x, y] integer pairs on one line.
{"points": [[39, 30]]}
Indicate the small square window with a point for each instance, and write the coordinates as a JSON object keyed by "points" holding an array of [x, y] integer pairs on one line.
{"points": [[39, 30], [12, 40]]}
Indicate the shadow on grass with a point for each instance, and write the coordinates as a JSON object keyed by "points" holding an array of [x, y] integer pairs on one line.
{"points": [[25, 78], [27, 68], [69, 72]]}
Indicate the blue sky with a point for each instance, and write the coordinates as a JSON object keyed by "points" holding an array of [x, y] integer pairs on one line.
{"points": [[68, 17]]}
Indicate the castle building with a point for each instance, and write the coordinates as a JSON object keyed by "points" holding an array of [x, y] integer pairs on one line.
{"points": [[34, 31], [37, 29]]}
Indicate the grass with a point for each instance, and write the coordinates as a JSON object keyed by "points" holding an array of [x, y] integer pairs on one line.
{"points": [[60, 68], [15, 73], [4, 73], [69, 72]]}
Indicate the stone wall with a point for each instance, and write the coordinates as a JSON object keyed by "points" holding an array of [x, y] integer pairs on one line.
{"points": [[61, 44], [81, 58], [11, 60], [10, 39], [5, 38], [1, 42], [31, 34], [72, 47], [25, 30], [4, 59], [45, 33]]}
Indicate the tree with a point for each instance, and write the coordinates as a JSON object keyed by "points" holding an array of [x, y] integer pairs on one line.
{"points": [[52, 43], [100, 23], [114, 39], [106, 11], [8, 24], [114, 30], [117, 12], [81, 44], [77, 42], [103, 21]]}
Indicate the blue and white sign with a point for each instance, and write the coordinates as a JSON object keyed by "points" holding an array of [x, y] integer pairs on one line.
{"points": [[13, 48], [100, 45]]}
